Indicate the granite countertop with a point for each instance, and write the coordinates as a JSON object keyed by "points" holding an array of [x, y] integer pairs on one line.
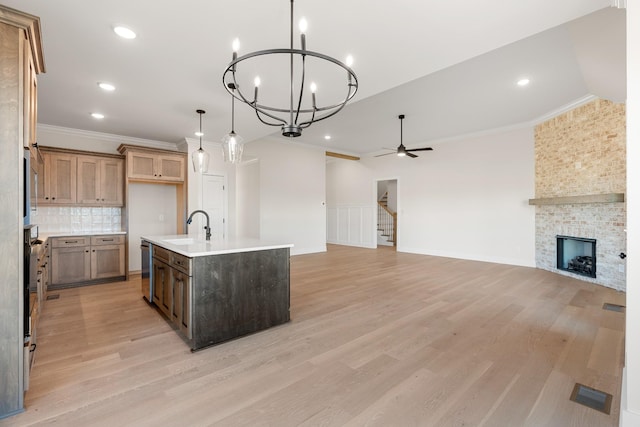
{"points": [[195, 246]]}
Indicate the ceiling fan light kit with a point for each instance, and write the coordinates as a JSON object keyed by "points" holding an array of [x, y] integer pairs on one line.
{"points": [[294, 118]]}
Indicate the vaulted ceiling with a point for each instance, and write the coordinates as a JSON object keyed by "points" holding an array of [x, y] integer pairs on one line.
{"points": [[451, 68]]}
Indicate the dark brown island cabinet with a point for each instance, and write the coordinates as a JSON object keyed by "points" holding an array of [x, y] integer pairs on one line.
{"points": [[215, 291]]}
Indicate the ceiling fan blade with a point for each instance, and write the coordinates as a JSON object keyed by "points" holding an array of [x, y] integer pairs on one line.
{"points": [[420, 149], [411, 155], [385, 154]]}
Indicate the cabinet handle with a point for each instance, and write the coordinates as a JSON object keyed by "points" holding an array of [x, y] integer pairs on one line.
{"points": [[46, 198], [107, 240], [71, 241], [94, 250], [53, 198], [87, 251]]}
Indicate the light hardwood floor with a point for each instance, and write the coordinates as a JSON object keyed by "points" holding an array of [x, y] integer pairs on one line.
{"points": [[377, 338]]}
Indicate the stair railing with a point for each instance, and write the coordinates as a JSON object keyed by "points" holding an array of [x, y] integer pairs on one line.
{"points": [[387, 222]]}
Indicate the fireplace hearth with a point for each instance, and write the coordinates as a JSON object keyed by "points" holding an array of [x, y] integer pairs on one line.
{"points": [[577, 255]]}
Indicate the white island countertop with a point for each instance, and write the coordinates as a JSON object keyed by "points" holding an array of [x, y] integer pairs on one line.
{"points": [[195, 246]]}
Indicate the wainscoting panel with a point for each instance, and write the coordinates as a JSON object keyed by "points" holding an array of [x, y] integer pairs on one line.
{"points": [[351, 226]]}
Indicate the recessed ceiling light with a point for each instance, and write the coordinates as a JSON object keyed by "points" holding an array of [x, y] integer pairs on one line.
{"points": [[199, 134], [106, 86], [124, 32], [97, 116], [523, 82], [327, 137]]}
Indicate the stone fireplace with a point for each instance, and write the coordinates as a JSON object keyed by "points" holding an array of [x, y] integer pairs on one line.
{"points": [[580, 185]]}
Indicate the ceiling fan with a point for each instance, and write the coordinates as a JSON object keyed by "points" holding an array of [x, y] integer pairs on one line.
{"points": [[402, 151]]}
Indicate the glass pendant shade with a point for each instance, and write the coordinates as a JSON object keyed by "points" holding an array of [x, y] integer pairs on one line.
{"points": [[200, 160], [232, 147]]}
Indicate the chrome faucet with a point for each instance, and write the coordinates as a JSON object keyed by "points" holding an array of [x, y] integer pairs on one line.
{"points": [[206, 227]]}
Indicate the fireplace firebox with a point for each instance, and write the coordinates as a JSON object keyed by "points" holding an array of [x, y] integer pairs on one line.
{"points": [[577, 255]]}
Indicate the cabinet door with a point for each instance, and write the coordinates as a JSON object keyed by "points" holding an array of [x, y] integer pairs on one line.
{"points": [[181, 313], [30, 98], [88, 180], [107, 261], [141, 165], [162, 291], [70, 265], [43, 179], [111, 182], [62, 179], [170, 168]]}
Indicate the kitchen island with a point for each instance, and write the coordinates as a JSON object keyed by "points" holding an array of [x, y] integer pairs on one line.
{"points": [[218, 290]]}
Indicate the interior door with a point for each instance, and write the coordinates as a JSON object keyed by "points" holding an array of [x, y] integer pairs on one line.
{"points": [[214, 201]]}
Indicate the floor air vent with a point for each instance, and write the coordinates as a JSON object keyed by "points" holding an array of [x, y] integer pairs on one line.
{"points": [[613, 307], [53, 296], [594, 399]]}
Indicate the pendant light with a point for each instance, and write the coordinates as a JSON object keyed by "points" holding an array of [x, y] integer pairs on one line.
{"points": [[200, 157], [232, 145]]}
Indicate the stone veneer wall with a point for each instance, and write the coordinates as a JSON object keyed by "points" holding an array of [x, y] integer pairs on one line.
{"points": [[583, 152]]}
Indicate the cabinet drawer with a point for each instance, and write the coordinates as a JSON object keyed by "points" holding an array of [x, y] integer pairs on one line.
{"points": [[161, 254], [110, 239], [70, 242], [180, 262]]}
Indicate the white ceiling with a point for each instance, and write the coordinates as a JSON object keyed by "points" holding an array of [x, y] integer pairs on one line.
{"points": [[449, 67]]}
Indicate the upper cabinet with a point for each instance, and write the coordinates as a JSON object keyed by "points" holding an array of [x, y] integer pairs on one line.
{"points": [[100, 181], [145, 164], [74, 178], [60, 179]]}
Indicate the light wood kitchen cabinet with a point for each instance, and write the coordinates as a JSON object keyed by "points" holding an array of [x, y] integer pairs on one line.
{"points": [[30, 98], [100, 181], [58, 177], [80, 178], [155, 167], [107, 256], [87, 259], [70, 260]]}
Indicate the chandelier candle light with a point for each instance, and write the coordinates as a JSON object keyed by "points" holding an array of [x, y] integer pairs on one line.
{"points": [[232, 145], [200, 157], [296, 117]]}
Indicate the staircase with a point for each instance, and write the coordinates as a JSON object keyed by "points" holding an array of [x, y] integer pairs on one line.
{"points": [[387, 223]]}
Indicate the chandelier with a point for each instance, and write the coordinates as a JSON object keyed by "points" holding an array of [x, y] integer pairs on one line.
{"points": [[300, 113]]}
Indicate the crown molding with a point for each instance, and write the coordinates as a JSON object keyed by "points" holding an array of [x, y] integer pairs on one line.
{"points": [[100, 136], [564, 109]]}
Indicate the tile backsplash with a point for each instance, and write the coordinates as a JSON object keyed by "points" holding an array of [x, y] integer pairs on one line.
{"points": [[78, 219]]}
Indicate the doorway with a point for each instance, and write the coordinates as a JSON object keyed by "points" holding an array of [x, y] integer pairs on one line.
{"points": [[214, 202], [387, 212]]}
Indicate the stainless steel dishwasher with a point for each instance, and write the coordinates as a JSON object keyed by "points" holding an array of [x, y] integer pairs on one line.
{"points": [[145, 274]]}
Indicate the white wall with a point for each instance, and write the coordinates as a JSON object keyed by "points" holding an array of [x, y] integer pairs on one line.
{"points": [[630, 414], [152, 212], [467, 199], [292, 193], [248, 199]]}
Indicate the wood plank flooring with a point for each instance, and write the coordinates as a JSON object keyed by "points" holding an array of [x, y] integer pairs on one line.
{"points": [[377, 338]]}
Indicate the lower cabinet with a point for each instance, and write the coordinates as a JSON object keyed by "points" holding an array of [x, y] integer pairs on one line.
{"points": [[70, 260], [171, 285], [79, 259], [162, 292], [181, 315]]}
